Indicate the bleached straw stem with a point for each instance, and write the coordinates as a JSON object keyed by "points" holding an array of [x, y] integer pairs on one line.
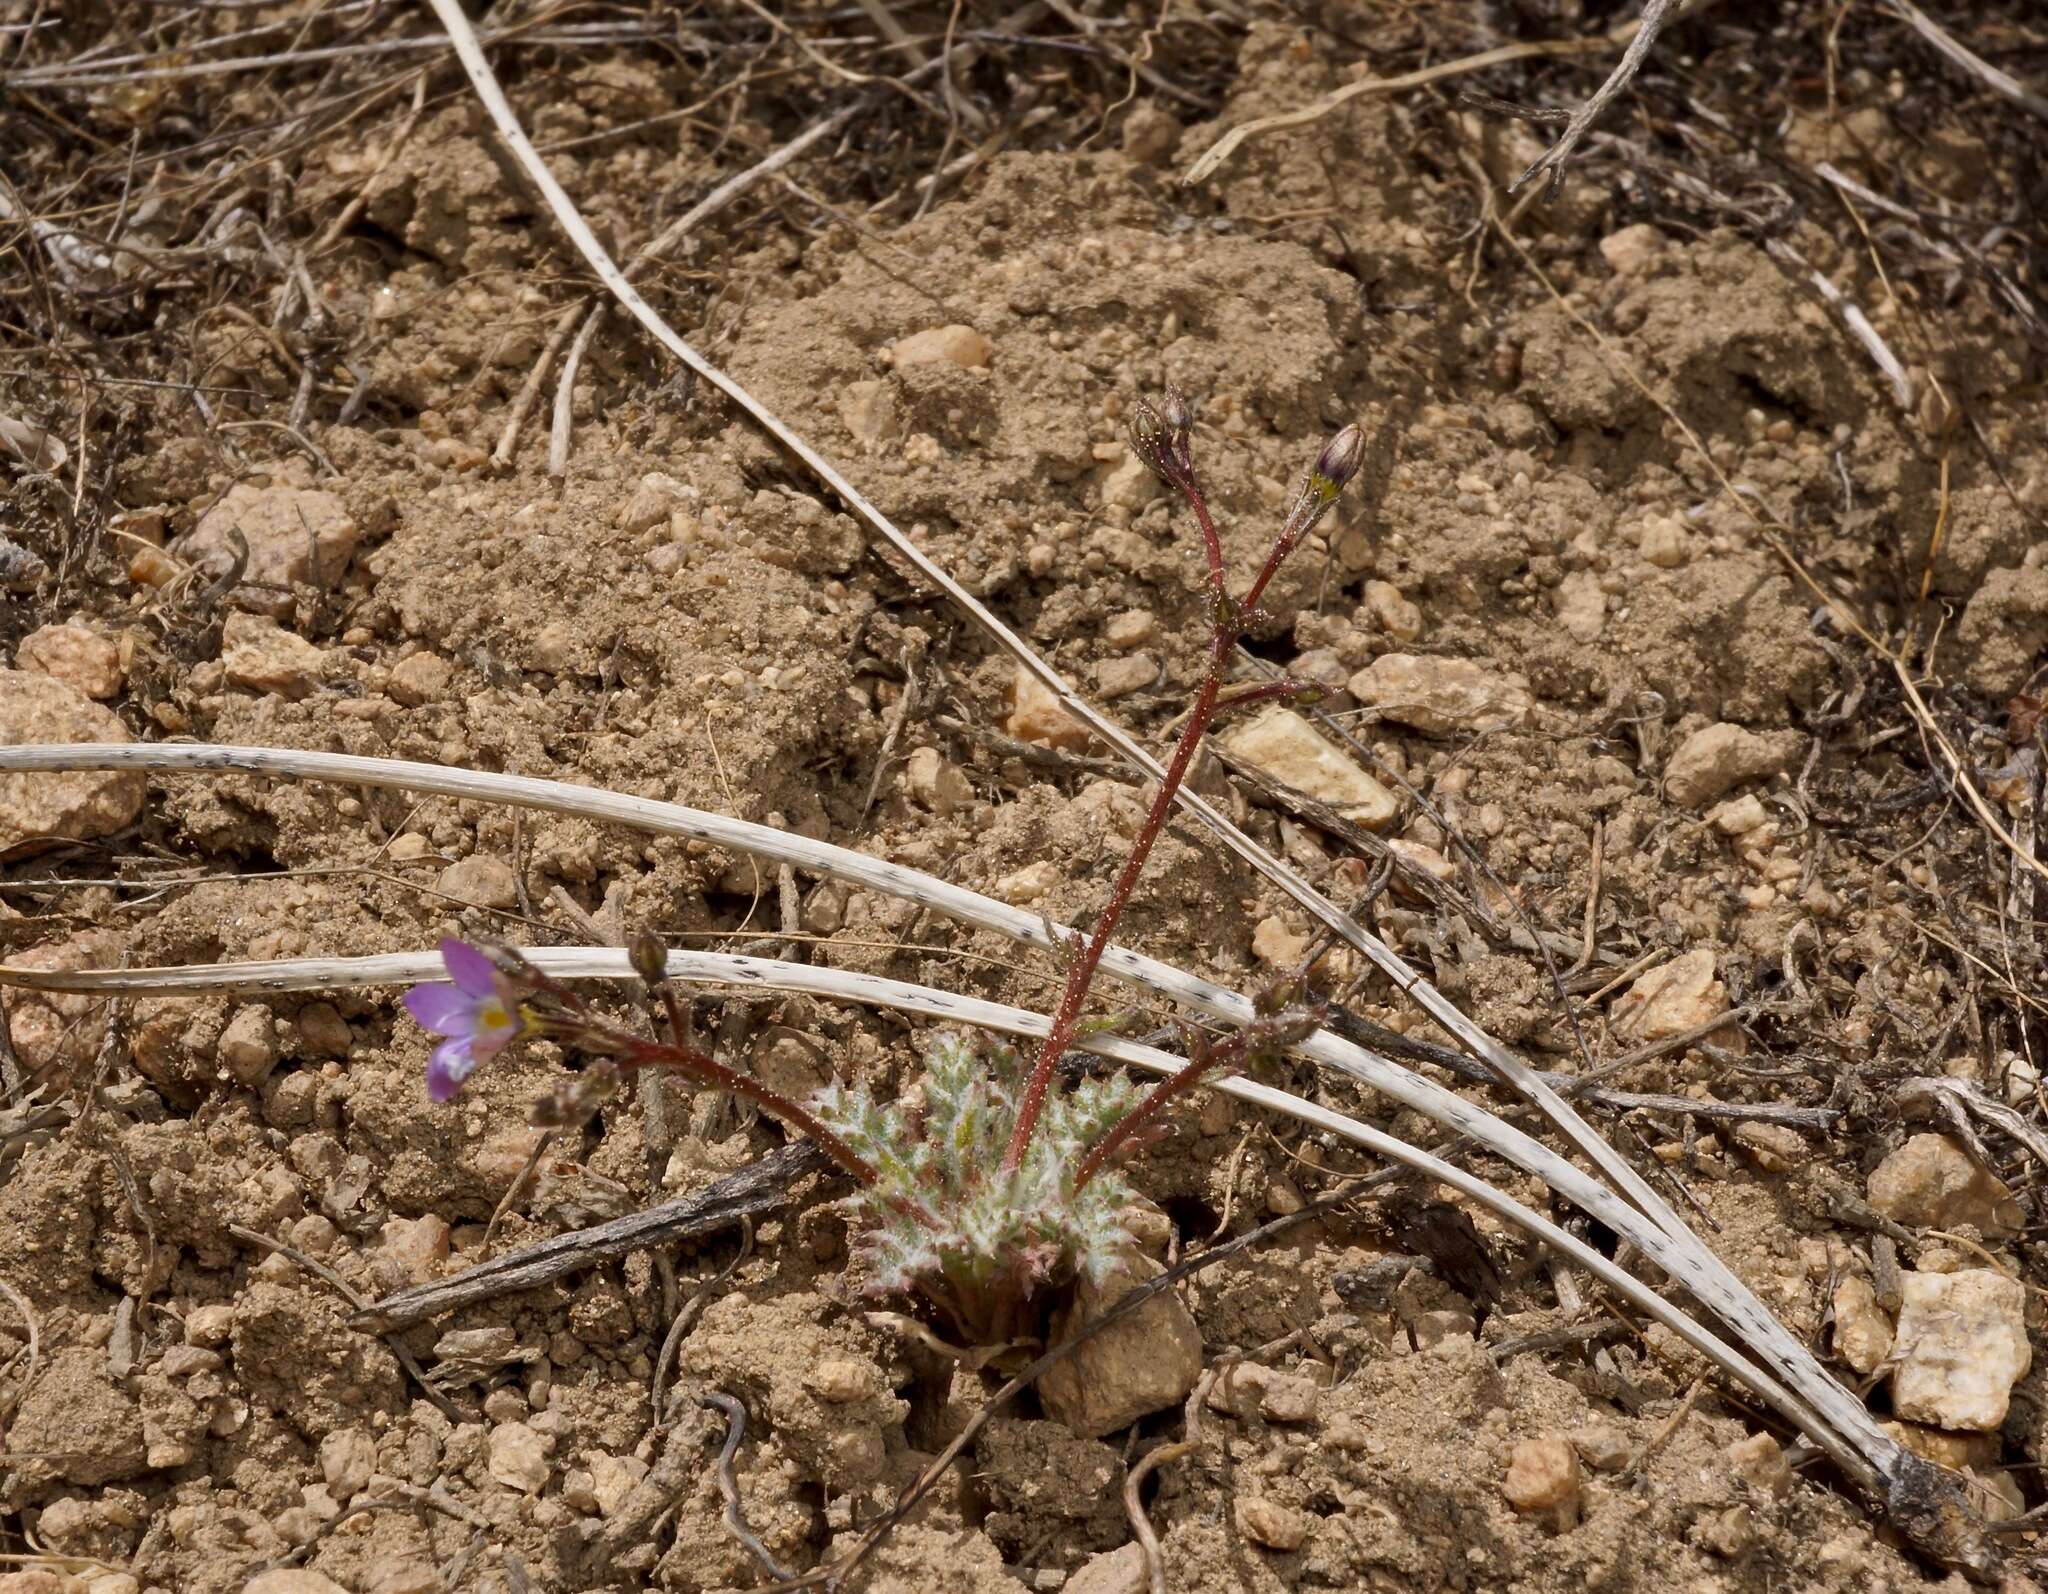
{"points": [[846, 985], [1517, 1074], [1690, 1264]]}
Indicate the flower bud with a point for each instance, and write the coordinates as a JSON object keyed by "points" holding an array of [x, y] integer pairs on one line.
{"points": [[1340, 458], [649, 957], [1174, 413]]}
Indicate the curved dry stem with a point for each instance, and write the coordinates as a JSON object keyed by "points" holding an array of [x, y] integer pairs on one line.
{"points": [[1678, 1251], [1512, 1070], [870, 990]]}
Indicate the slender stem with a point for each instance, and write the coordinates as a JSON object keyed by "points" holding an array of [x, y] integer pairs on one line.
{"points": [[633, 1052], [1156, 1101], [1081, 975]]}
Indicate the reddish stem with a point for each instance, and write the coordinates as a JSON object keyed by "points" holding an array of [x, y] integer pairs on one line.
{"points": [[1081, 975], [637, 1053], [1163, 1094]]}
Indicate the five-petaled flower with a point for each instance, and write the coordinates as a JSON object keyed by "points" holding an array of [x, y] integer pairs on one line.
{"points": [[478, 1013]]}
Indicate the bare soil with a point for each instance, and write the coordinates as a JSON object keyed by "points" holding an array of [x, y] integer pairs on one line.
{"points": [[1572, 440]]}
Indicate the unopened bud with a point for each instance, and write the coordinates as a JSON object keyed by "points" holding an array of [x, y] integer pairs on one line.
{"points": [[1340, 458], [1148, 430], [649, 957], [1174, 413]]}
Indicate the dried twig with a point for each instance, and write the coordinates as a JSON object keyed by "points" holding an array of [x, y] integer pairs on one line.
{"points": [[756, 1188], [1549, 49], [734, 1515]]}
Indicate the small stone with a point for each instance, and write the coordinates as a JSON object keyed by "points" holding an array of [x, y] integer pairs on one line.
{"points": [[484, 881], [209, 1325], [613, 1478], [1957, 1451], [1028, 884], [1710, 761], [838, 1380], [188, 1361], [1543, 1479], [1131, 629], [1288, 748], [1630, 250], [579, 1491], [1115, 678], [949, 345], [43, 810], [420, 678], [1932, 1182], [935, 783], [1442, 697], [1728, 1534], [1776, 1148], [75, 1423], [870, 412], [1962, 1345], [1677, 996], [295, 534], [1276, 1396], [1140, 1364], [1277, 946], [73, 655], [411, 1250], [1129, 484], [323, 1032], [1150, 135], [1759, 1462], [248, 1046], [347, 1458], [292, 1580], [1740, 816], [1269, 1524], [1603, 1447], [1863, 1334], [402, 1574], [505, 1404], [1580, 603], [1392, 612], [259, 655], [653, 500], [519, 1457], [1036, 715], [1664, 542]]}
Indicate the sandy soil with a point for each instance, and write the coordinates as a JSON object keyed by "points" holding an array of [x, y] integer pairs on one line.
{"points": [[1553, 438]]}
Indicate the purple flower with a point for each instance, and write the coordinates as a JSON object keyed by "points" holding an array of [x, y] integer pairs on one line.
{"points": [[479, 1013]]}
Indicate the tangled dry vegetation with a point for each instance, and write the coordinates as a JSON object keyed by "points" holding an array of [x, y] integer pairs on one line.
{"points": [[1674, 788]]}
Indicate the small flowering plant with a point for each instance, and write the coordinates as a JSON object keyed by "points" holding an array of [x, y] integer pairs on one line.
{"points": [[983, 1188]]}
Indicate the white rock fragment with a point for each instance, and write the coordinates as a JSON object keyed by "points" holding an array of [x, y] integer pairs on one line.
{"points": [[259, 655], [1932, 1182], [519, 1457], [1442, 697], [1543, 1480], [1287, 747], [1710, 761], [1675, 997], [948, 345], [43, 810], [1962, 1345], [1863, 1334], [72, 654]]}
